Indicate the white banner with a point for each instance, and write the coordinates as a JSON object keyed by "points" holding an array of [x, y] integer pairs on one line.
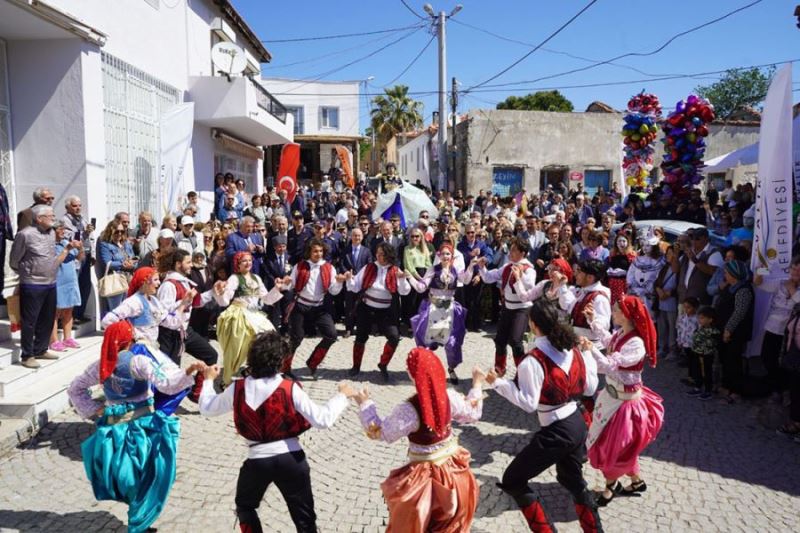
{"points": [[772, 239], [176, 137]]}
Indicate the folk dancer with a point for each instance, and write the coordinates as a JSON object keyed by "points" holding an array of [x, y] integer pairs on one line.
{"points": [[270, 412], [378, 285], [517, 277], [627, 415], [550, 380], [589, 277], [435, 490], [131, 456], [238, 325]]}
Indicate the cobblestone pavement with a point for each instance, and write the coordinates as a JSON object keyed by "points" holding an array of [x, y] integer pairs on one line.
{"points": [[713, 468]]}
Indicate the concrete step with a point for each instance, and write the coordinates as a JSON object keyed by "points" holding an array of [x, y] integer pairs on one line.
{"points": [[16, 378], [37, 395], [9, 342]]}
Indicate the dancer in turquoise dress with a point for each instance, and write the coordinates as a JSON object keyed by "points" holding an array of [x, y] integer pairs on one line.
{"points": [[131, 455]]}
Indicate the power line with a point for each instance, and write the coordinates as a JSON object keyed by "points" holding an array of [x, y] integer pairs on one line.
{"points": [[633, 54], [341, 36], [412, 61], [412, 10], [521, 59], [351, 63]]}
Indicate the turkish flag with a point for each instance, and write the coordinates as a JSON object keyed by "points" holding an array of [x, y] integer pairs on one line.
{"points": [[287, 170]]}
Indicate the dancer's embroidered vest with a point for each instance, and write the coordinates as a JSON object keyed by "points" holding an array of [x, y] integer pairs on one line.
{"points": [[508, 277], [425, 436], [558, 387], [181, 290], [244, 289], [121, 384], [371, 274], [578, 318], [304, 273], [437, 283], [617, 342], [275, 419]]}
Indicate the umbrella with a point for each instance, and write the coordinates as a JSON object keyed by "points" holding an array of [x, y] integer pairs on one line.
{"points": [[747, 155], [405, 200]]}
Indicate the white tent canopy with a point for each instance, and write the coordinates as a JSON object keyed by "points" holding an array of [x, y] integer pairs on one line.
{"points": [[747, 155]]}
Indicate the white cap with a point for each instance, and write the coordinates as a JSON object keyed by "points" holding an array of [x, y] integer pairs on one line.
{"points": [[166, 233], [186, 220]]}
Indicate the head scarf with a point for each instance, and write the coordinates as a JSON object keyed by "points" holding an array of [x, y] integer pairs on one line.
{"points": [[237, 258], [116, 336], [140, 277], [634, 310], [562, 266], [429, 379], [447, 246], [738, 269]]}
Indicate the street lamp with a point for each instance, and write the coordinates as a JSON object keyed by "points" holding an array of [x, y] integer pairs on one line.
{"points": [[439, 23]]}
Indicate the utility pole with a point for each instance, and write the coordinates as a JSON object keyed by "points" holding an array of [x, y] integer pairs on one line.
{"points": [[439, 23], [454, 106]]}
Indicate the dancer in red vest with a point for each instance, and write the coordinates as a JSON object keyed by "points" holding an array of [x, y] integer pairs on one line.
{"points": [[551, 380], [313, 279], [435, 490], [589, 276], [378, 285], [517, 281], [270, 412], [628, 415]]}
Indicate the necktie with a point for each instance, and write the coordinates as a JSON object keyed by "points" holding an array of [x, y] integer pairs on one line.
{"points": [[280, 263], [355, 256]]}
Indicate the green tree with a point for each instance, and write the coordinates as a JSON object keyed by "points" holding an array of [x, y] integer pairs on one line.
{"points": [[738, 88], [538, 101], [394, 114]]}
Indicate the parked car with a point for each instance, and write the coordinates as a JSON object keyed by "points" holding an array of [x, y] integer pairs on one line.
{"points": [[672, 229]]}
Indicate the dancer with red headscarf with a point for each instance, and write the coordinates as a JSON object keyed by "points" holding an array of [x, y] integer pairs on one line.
{"points": [[238, 325], [436, 490], [551, 379], [131, 456], [627, 415], [559, 277]]}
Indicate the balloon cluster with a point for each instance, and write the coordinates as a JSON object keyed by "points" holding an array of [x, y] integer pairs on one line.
{"points": [[639, 133], [685, 130]]}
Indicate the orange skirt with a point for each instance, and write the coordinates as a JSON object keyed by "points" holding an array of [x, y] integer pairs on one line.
{"points": [[426, 497]]}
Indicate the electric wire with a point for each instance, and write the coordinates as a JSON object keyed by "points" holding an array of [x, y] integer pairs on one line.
{"points": [[341, 36], [412, 10], [545, 41], [412, 61]]}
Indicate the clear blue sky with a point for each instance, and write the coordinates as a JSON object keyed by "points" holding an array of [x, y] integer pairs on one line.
{"points": [[763, 33]]}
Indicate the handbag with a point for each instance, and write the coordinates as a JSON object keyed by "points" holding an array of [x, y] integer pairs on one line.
{"points": [[112, 284]]}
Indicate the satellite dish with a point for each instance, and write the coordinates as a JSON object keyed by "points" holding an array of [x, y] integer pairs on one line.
{"points": [[228, 58]]}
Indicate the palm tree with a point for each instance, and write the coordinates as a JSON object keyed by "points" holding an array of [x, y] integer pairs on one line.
{"points": [[395, 113]]}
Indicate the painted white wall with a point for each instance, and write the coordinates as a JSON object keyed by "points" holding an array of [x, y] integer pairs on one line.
{"points": [[311, 96], [414, 153]]}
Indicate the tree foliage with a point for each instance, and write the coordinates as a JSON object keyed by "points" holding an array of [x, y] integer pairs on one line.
{"points": [[394, 113], [538, 101], [736, 89]]}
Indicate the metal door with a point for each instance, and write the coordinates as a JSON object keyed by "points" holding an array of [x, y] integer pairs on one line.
{"points": [[594, 179]]}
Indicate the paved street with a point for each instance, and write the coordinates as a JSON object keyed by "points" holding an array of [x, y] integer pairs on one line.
{"points": [[713, 468]]}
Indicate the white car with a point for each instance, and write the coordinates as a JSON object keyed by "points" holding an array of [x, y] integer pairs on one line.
{"points": [[672, 229]]}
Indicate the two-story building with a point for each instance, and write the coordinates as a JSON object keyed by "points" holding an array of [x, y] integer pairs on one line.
{"points": [[326, 114], [85, 86]]}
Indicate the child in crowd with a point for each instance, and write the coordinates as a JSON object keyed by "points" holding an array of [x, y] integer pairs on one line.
{"points": [[705, 344], [687, 324]]}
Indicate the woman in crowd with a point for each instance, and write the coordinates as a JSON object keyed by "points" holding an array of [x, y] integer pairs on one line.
{"points": [[169, 222], [417, 259], [68, 294], [583, 243], [257, 210], [115, 254], [735, 316], [131, 456], [237, 326], [435, 490], [627, 415], [441, 320], [549, 380], [566, 252], [270, 412], [595, 250], [619, 260]]}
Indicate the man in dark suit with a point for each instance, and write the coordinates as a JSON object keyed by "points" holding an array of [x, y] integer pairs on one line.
{"points": [[297, 237], [277, 266], [245, 240], [387, 235], [355, 256]]}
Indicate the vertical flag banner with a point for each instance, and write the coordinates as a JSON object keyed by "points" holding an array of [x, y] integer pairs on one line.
{"points": [[175, 131], [287, 170], [347, 169], [772, 235]]}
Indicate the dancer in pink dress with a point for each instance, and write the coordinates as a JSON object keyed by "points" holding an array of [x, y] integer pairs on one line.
{"points": [[627, 415]]}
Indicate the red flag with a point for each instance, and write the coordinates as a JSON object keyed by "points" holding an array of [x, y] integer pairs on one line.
{"points": [[287, 170]]}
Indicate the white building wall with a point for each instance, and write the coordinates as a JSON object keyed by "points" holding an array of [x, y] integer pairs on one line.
{"points": [[313, 95], [415, 154]]}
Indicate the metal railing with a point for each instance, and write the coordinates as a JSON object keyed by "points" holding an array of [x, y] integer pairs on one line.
{"points": [[269, 103]]}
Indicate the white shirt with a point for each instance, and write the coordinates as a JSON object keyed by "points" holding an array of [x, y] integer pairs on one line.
{"points": [[714, 260], [518, 296], [256, 392], [341, 215], [378, 289], [314, 293], [458, 263], [168, 296], [530, 375], [601, 304]]}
